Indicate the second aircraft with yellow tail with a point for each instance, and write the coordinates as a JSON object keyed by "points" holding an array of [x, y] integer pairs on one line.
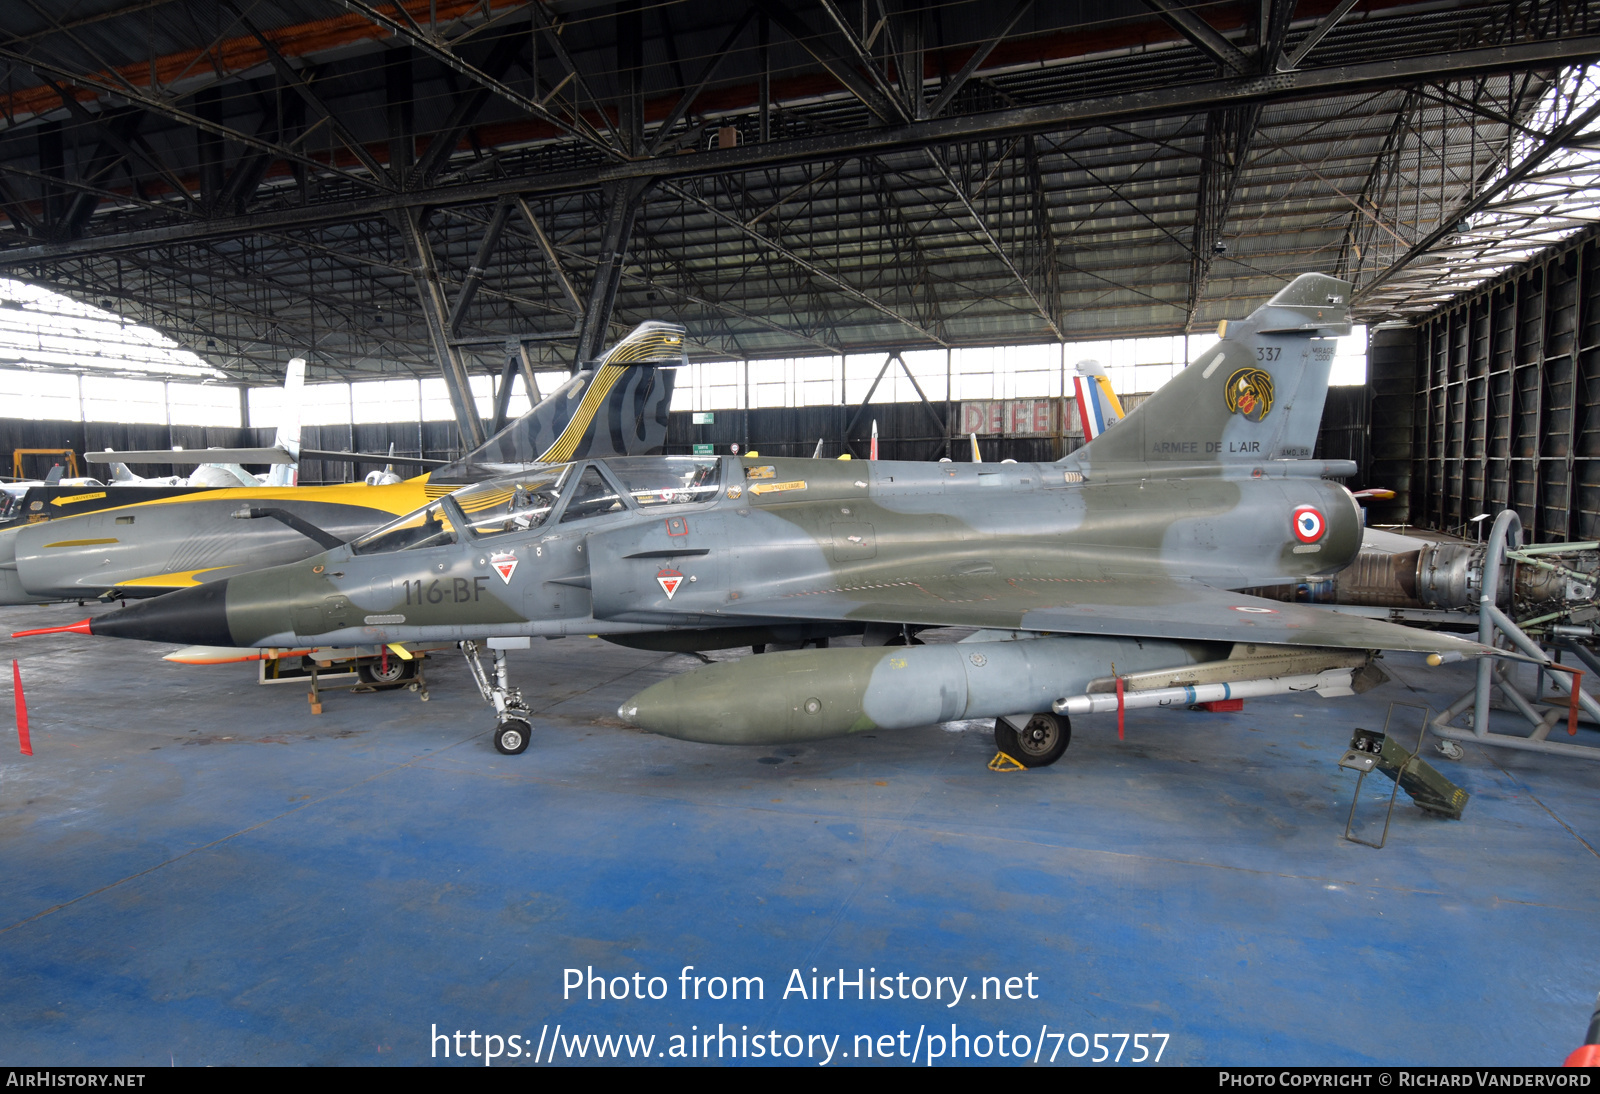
{"points": [[617, 406]]}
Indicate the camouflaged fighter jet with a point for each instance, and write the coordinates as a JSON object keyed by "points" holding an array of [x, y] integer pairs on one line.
{"points": [[1098, 583], [618, 406]]}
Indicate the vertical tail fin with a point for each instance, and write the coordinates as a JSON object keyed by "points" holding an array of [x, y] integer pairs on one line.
{"points": [[121, 475], [1098, 408], [1256, 395], [615, 407], [288, 436]]}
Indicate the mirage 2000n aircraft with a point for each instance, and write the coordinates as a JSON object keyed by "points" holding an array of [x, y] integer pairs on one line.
{"points": [[616, 406], [1103, 581]]}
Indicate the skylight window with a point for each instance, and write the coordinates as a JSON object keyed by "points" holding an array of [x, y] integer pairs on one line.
{"points": [[40, 329]]}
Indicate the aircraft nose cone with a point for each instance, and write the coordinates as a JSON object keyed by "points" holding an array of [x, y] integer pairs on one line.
{"points": [[197, 617]]}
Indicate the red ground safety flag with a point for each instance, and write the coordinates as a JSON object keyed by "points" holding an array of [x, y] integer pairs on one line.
{"points": [[22, 710]]}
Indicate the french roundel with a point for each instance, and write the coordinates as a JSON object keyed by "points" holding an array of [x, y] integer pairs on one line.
{"points": [[1308, 524]]}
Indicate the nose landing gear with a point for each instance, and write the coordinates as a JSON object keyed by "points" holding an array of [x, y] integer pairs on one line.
{"points": [[515, 725]]}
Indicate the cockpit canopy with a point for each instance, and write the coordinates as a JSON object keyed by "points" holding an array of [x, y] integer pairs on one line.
{"points": [[526, 501]]}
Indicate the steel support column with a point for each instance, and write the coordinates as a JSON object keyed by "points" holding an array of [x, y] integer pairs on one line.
{"points": [[435, 311], [622, 206]]}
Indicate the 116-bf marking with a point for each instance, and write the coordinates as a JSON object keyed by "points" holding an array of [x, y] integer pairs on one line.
{"points": [[458, 590]]}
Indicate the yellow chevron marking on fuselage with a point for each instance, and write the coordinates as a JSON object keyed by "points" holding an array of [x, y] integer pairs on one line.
{"points": [[78, 543], [180, 580], [566, 444]]}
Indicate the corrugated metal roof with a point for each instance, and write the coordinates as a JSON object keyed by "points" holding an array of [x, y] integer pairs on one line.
{"points": [[1076, 231]]}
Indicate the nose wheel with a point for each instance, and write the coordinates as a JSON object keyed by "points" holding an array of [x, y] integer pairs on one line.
{"points": [[511, 737], [515, 726]]}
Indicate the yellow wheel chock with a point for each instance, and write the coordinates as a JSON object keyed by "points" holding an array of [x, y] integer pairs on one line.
{"points": [[1003, 762]]}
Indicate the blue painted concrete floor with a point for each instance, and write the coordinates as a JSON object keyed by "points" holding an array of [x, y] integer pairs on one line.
{"points": [[196, 870]]}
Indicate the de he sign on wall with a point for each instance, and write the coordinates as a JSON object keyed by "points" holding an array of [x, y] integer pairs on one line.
{"points": [[1009, 417]]}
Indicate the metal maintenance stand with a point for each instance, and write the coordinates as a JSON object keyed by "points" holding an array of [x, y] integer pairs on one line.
{"points": [[1495, 627]]}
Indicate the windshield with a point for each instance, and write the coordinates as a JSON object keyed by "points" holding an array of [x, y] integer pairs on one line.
{"points": [[429, 526], [494, 508], [593, 496], [668, 480], [523, 502]]}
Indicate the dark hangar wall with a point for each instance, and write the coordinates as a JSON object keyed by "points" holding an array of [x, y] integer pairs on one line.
{"points": [[1502, 393]]}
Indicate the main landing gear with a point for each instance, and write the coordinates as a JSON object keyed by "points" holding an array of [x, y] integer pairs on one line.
{"points": [[1040, 741], [515, 727]]}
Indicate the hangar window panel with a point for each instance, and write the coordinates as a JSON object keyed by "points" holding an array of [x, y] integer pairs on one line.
{"points": [[769, 383], [685, 393], [436, 401], [929, 367], [40, 395], [482, 395], [381, 401], [1031, 371], [817, 368], [1087, 351], [820, 393], [266, 407], [1151, 377], [1350, 358], [721, 398], [860, 369], [519, 403], [203, 404], [112, 399], [817, 381], [973, 373], [720, 373], [1032, 385], [325, 404]]}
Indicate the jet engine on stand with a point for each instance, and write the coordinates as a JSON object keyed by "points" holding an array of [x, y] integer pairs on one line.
{"points": [[1549, 588], [1543, 608]]}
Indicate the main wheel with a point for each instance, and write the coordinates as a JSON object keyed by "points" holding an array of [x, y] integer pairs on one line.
{"points": [[373, 672], [511, 736], [1039, 744]]}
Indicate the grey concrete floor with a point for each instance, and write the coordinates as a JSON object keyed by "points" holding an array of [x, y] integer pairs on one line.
{"points": [[196, 870]]}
